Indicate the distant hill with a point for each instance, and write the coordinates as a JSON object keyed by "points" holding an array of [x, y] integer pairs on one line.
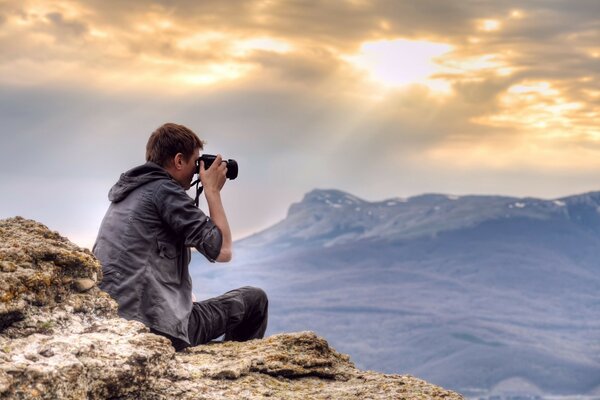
{"points": [[475, 293]]}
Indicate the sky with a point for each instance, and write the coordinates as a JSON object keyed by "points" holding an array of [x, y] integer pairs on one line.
{"points": [[381, 99]]}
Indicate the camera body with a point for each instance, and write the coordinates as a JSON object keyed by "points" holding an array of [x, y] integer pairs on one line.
{"points": [[232, 166]]}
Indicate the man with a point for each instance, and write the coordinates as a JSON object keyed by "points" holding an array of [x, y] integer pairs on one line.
{"points": [[144, 240]]}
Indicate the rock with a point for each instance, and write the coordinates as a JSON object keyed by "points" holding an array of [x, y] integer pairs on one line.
{"points": [[61, 337], [84, 284]]}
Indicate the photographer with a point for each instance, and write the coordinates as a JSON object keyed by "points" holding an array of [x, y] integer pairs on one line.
{"points": [[144, 240]]}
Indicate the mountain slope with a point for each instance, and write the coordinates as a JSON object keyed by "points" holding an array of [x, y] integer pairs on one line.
{"points": [[330, 217], [503, 287]]}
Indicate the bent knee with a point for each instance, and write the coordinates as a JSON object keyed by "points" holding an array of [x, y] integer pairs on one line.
{"points": [[256, 294]]}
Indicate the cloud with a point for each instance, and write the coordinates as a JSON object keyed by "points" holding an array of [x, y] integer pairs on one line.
{"points": [[273, 85], [66, 29]]}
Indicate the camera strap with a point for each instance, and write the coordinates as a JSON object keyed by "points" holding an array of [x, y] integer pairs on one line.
{"points": [[199, 190]]}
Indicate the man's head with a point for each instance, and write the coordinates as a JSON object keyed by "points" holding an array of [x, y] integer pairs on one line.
{"points": [[170, 139], [175, 148]]}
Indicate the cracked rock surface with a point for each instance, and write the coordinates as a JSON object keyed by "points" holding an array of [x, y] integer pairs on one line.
{"points": [[61, 338]]}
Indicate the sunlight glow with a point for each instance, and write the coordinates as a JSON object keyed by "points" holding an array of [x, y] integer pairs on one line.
{"points": [[385, 25], [243, 47], [529, 152], [164, 24], [517, 14], [394, 63], [472, 68], [235, 50], [592, 93], [21, 20], [214, 73], [543, 110], [98, 33], [489, 25], [543, 88], [201, 40]]}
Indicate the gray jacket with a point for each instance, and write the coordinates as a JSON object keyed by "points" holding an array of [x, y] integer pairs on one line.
{"points": [[143, 246]]}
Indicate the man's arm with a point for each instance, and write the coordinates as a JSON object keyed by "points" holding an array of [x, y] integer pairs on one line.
{"points": [[213, 180], [217, 214]]}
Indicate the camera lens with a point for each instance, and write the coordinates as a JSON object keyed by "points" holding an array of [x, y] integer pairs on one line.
{"points": [[232, 165]]}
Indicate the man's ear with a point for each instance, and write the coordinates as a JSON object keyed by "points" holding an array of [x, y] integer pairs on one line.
{"points": [[178, 161]]}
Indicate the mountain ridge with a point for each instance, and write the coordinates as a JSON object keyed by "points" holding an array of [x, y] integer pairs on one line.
{"points": [[329, 217], [503, 286]]}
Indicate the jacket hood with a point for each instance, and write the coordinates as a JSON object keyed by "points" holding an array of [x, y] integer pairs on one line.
{"points": [[134, 178]]}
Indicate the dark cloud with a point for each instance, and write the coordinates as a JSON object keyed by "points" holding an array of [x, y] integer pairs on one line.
{"points": [[66, 27], [483, 94], [311, 66]]}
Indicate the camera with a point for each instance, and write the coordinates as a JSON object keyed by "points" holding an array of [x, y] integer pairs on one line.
{"points": [[232, 166]]}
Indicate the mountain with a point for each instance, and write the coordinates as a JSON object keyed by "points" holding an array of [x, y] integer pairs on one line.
{"points": [[482, 294]]}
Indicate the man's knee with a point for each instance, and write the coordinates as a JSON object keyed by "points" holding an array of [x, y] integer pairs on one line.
{"points": [[257, 296]]}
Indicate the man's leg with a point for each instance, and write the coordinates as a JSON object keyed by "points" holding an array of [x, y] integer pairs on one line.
{"points": [[178, 344], [240, 315]]}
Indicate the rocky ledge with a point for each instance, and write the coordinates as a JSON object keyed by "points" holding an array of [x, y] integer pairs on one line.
{"points": [[61, 338]]}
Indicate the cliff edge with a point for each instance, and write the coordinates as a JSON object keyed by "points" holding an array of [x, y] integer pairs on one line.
{"points": [[61, 337]]}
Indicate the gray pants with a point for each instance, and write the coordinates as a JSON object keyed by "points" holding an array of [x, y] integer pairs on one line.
{"points": [[240, 314]]}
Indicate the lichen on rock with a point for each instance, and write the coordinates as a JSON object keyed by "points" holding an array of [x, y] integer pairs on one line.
{"points": [[61, 337]]}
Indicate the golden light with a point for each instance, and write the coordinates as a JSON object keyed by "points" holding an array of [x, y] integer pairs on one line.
{"points": [[543, 88], [385, 25], [400, 62], [541, 109], [358, 3], [525, 152], [517, 14], [544, 120], [201, 40], [243, 47], [232, 48], [592, 93], [472, 67], [21, 20], [212, 74], [489, 25], [98, 33], [164, 24]]}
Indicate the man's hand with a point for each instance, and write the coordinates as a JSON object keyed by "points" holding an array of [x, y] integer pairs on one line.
{"points": [[214, 177]]}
